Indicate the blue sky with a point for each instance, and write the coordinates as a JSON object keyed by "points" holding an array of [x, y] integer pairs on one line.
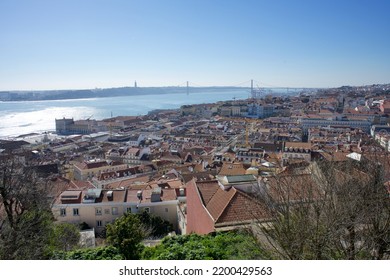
{"points": [[63, 44]]}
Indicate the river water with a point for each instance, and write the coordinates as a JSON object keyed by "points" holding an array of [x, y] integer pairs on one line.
{"points": [[23, 117]]}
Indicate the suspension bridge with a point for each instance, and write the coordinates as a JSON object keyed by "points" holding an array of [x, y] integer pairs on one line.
{"points": [[255, 88]]}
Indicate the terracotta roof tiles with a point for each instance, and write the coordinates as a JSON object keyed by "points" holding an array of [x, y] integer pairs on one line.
{"points": [[243, 208], [207, 189], [230, 206], [219, 201], [232, 169]]}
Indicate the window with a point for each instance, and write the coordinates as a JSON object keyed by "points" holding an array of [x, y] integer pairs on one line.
{"points": [[75, 211], [98, 211], [106, 211], [166, 209], [114, 210], [147, 209], [128, 209], [99, 223], [63, 212]]}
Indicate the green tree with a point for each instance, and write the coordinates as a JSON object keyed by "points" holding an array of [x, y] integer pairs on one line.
{"points": [[25, 215], [25, 241], [99, 253], [65, 237], [156, 225], [125, 234], [219, 246]]}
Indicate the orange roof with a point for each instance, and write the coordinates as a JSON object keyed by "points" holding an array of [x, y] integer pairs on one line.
{"points": [[232, 169], [242, 207], [230, 206], [302, 145], [174, 184], [207, 189], [219, 201], [133, 151], [386, 104], [95, 164]]}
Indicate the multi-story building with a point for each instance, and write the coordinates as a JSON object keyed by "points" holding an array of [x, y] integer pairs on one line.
{"points": [[69, 126], [131, 156], [98, 207], [260, 110], [86, 170], [106, 179], [317, 121], [135, 140], [296, 151], [385, 106]]}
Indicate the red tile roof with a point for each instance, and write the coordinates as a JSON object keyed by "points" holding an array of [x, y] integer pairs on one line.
{"points": [[230, 206], [232, 169], [298, 145], [219, 201], [96, 164], [243, 208], [91, 165], [207, 189], [117, 196]]}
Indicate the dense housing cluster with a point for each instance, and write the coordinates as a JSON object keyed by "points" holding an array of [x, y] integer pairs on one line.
{"points": [[209, 167]]}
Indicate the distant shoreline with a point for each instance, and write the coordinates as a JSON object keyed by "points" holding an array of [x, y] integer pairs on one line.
{"points": [[103, 93]]}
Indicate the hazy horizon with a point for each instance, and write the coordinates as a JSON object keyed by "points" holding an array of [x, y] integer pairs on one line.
{"points": [[146, 87]]}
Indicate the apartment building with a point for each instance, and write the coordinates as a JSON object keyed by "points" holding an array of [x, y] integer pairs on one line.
{"points": [[86, 170], [318, 121], [98, 207], [294, 151]]}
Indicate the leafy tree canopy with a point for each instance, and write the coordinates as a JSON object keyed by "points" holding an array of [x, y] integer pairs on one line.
{"points": [[99, 253], [126, 233], [219, 246], [65, 237], [156, 225], [26, 218]]}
